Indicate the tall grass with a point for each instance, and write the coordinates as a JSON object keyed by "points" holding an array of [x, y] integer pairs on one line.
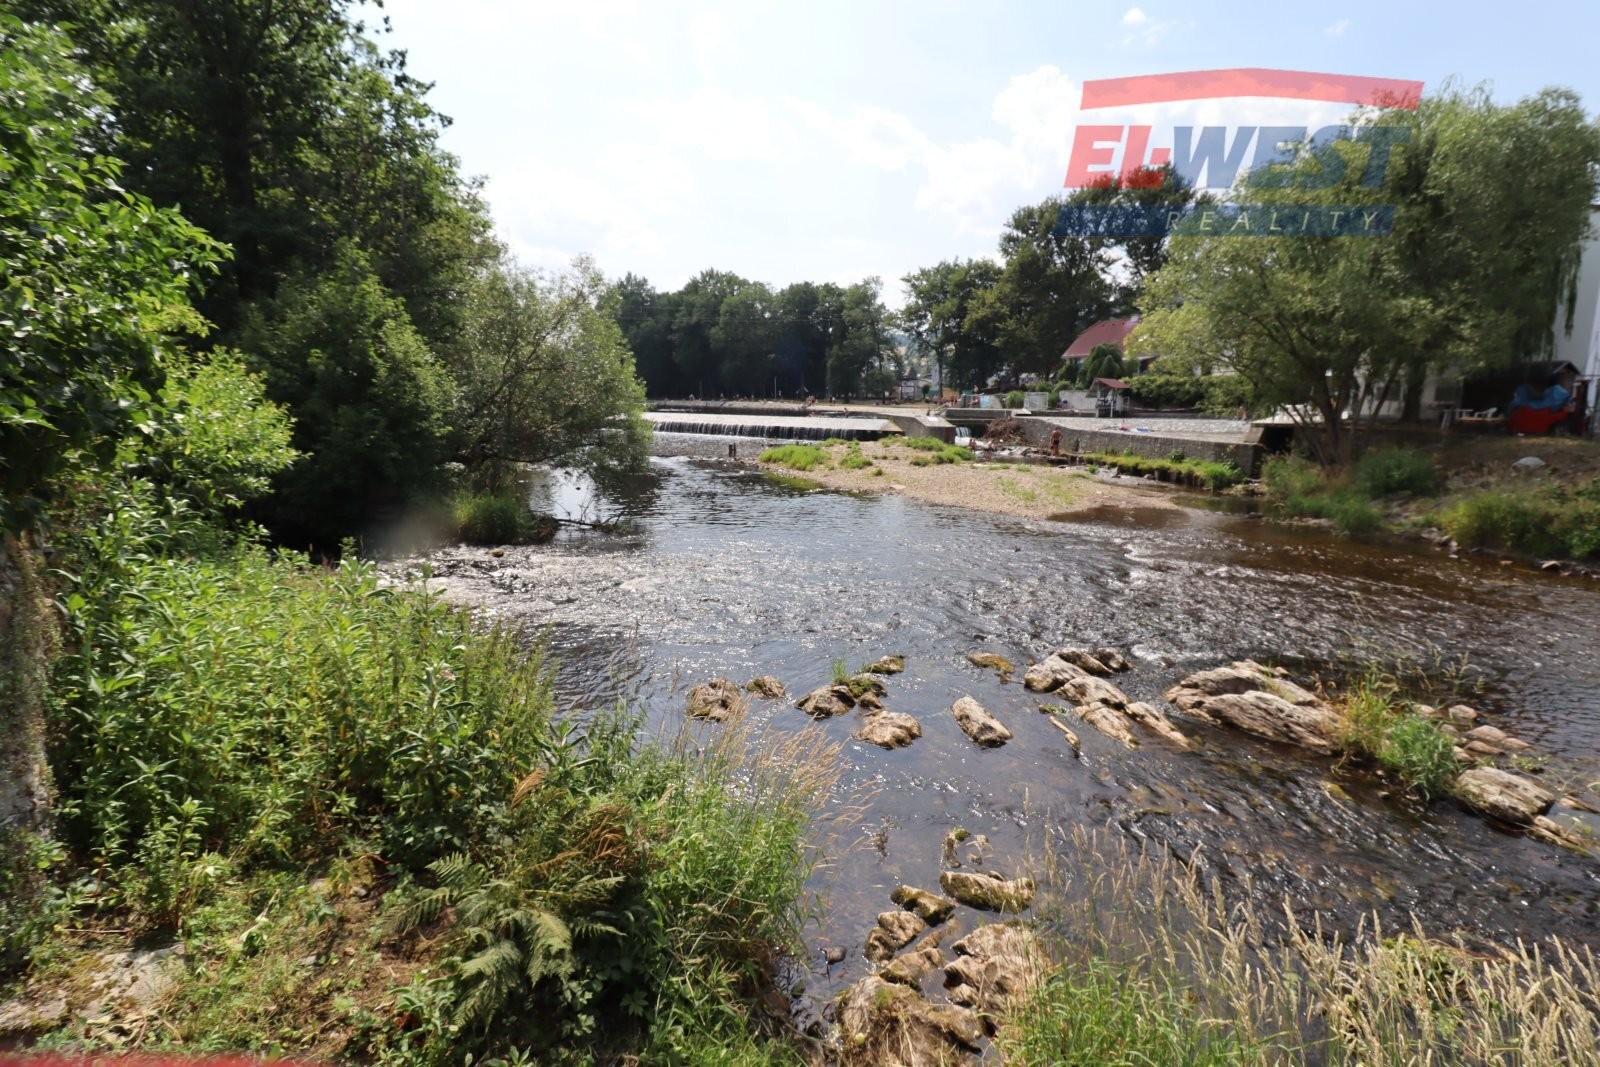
{"points": [[1539, 520], [497, 518], [1380, 726], [1298, 488], [1150, 952], [227, 726], [795, 457], [1386, 471], [939, 451], [1208, 473]]}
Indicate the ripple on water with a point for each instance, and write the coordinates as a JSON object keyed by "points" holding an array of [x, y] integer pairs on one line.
{"points": [[727, 573]]}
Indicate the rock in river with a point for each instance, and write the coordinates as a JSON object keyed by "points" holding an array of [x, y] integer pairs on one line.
{"points": [[885, 665], [886, 1023], [978, 724], [1251, 698], [889, 729], [995, 968], [718, 700], [987, 892], [895, 930], [766, 687], [929, 907], [826, 701], [1502, 795], [1050, 674], [994, 661]]}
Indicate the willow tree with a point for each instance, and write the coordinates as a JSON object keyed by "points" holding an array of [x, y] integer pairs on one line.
{"points": [[1490, 208], [543, 375]]}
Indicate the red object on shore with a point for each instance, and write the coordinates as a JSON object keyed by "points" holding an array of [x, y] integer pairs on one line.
{"points": [[1537, 420]]}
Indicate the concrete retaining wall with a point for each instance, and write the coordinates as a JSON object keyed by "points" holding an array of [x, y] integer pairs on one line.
{"points": [[1245, 456]]}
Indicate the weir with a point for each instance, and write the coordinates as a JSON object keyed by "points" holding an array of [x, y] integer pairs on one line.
{"points": [[781, 427]]}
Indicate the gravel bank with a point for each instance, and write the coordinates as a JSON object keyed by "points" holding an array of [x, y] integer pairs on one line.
{"points": [[1035, 492]]}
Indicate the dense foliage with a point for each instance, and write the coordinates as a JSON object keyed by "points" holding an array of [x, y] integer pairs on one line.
{"points": [[723, 335], [92, 278], [1484, 248]]}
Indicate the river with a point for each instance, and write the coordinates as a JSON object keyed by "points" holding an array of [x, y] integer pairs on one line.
{"points": [[726, 572]]}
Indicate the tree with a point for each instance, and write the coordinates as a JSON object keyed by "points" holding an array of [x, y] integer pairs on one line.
{"points": [[859, 351], [938, 314], [544, 375], [1050, 290], [95, 278], [1146, 188], [1104, 361], [1491, 208], [645, 317], [371, 401], [281, 130]]}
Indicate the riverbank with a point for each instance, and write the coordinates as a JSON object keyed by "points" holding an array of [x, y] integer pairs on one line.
{"points": [[1030, 491]]}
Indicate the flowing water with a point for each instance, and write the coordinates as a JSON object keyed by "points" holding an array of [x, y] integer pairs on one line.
{"points": [[725, 572]]}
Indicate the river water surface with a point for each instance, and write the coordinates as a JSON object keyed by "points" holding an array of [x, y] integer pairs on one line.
{"points": [[727, 573]]}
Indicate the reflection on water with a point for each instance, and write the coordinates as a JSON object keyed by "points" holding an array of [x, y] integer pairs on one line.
{"points": [[725, 573]]}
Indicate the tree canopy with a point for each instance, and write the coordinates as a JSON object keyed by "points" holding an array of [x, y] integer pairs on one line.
{"points": [[1491, 206]]}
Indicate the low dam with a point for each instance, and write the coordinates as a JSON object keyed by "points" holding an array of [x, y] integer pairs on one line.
{"points": [[783, 427]]}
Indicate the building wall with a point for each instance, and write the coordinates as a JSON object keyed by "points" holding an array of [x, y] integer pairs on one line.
{"points": [[1582, 346]]}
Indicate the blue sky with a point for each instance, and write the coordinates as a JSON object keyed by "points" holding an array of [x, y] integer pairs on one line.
{"points": [[828, 141]]}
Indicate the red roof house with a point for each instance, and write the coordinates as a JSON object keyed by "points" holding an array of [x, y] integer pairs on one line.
{"points": [[1106, 331]]}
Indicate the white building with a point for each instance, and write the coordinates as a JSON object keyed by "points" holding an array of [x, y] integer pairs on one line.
{"points": [[1581, 348]]}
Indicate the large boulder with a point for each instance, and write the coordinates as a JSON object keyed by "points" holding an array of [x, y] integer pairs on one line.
{"points": [[978, 724], [889, 729], [929, 907], [1249, 697], [895, 930], [1502, 795], [995, 968], [987, 892], [883, 1022], [1050, 674], [826, 701], [718, 700]]}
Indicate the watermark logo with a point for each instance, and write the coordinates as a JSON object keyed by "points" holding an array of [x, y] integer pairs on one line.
{"points": [[1214, 157]]}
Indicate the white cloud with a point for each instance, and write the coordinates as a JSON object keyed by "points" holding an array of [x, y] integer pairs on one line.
{"points": [[1135, 17], [724, 126], [1338, 28], [709, 38]]}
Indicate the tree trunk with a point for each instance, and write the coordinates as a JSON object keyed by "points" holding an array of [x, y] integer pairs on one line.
{"points": [[27, 637]]}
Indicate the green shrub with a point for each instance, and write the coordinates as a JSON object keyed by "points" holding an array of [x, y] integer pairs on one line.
{"points": [[796, 457], [1387, 471], [269, 713], [1284, 477], [921, 444], [497, 518], [1158, 390], [1384, 728], [855, 461], [1207, 473], [1015, 399], [1539, 520]]}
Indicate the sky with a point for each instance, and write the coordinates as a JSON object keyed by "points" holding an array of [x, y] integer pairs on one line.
{"points": [[832, 141]]}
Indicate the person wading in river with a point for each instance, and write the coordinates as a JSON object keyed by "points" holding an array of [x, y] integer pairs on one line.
{"points": [[1055, 441]]}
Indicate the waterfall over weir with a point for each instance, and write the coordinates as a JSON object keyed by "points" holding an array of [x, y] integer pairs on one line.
{"points": [[814, 428]]}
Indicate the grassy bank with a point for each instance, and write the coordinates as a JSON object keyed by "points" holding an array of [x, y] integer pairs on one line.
{"points": [[1406, 489], [1177, 468], [358, 809], [1155, 965]]}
